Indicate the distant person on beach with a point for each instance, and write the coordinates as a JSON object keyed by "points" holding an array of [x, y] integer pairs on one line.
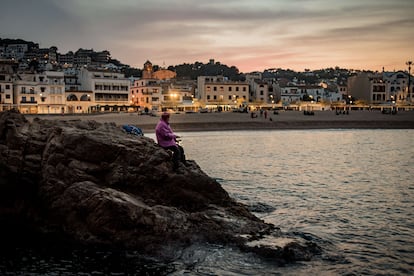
{"points": [[167, 139]]}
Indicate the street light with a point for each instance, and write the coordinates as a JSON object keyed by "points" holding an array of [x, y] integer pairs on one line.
{"points": [[174, 101]]}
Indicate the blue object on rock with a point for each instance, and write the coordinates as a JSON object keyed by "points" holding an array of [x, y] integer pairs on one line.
{"points": [[130, 129]]}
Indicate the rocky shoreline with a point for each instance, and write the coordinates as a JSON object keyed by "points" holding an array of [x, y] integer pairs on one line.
{"points": [[92, 184]]}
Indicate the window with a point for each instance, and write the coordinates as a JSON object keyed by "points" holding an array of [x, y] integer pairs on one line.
{"points": [[208, 97], [7, 86], [23, 99], [229, 97], [7, 96]]}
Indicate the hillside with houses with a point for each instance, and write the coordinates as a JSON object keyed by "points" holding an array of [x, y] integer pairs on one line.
{"points": [[38, 80]]}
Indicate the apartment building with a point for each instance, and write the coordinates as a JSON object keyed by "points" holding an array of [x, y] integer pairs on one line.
{"points": [[15, 51], [6, 83], [296, 93], [146, 94], [380, 88], [290, 94], [396, 87], [219, 92], [42, 92], [110, 90], [261, 92]]}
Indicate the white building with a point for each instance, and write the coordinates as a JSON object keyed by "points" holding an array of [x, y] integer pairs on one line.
{"points": [[380, 88], [219, 92], [396, 87], [42, 93], [52, 95], [6, 84], [110, 90], [290, 94], [297, 93]]}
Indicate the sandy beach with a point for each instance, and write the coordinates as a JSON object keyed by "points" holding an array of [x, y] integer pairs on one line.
{"points": [[243, 121]]}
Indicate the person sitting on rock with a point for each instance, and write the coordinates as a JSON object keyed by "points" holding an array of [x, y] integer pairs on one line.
{"points": [[167, 139]]}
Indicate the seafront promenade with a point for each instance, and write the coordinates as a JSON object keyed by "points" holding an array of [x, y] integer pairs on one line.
{"points": [[242, 121]]}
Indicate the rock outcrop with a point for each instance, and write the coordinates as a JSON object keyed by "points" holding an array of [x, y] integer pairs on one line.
{"points": [[97, 185]]}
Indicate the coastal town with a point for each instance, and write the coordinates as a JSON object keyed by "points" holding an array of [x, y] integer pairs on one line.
{"points": [[37, 80]]}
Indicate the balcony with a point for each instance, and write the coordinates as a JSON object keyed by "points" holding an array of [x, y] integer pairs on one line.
{"points": [[28, 102]]}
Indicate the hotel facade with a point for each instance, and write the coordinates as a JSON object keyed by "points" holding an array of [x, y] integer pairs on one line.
{"points": [[217, 92]]}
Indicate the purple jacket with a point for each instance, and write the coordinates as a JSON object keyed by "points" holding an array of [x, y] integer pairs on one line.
{"points": [[165, 135]]}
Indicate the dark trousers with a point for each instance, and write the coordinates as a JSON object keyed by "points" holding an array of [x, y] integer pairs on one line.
{"points": [[178, 155]]}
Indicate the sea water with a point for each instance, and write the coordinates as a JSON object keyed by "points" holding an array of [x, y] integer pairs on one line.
{"points": [[349, 191]]}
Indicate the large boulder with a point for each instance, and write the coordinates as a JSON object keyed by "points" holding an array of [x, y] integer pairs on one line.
{"points": [[94, 184]]}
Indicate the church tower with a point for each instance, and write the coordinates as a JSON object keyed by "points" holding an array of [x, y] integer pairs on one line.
{"points": [[147, 72]]}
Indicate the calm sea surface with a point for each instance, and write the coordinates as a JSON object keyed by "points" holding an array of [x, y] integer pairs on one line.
{"points": [[349, 191]]}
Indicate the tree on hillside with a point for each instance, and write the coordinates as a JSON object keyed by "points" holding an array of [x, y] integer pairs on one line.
{"points": [[192, 71], [132, 72]]}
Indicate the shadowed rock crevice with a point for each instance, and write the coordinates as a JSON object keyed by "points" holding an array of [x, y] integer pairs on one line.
{"points": [[96, 185]]}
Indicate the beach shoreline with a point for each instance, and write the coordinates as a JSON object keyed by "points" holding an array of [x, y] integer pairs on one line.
{"points": [[285, 120]]}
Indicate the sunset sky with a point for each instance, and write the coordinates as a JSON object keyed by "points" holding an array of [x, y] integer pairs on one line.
{"points": [[251, 35]]}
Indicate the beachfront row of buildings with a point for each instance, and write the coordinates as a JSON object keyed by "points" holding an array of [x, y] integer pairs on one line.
{"points": [[87, 90]]}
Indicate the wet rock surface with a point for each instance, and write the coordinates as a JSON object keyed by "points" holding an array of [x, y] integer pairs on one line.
{"points": [[93, 184]]}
